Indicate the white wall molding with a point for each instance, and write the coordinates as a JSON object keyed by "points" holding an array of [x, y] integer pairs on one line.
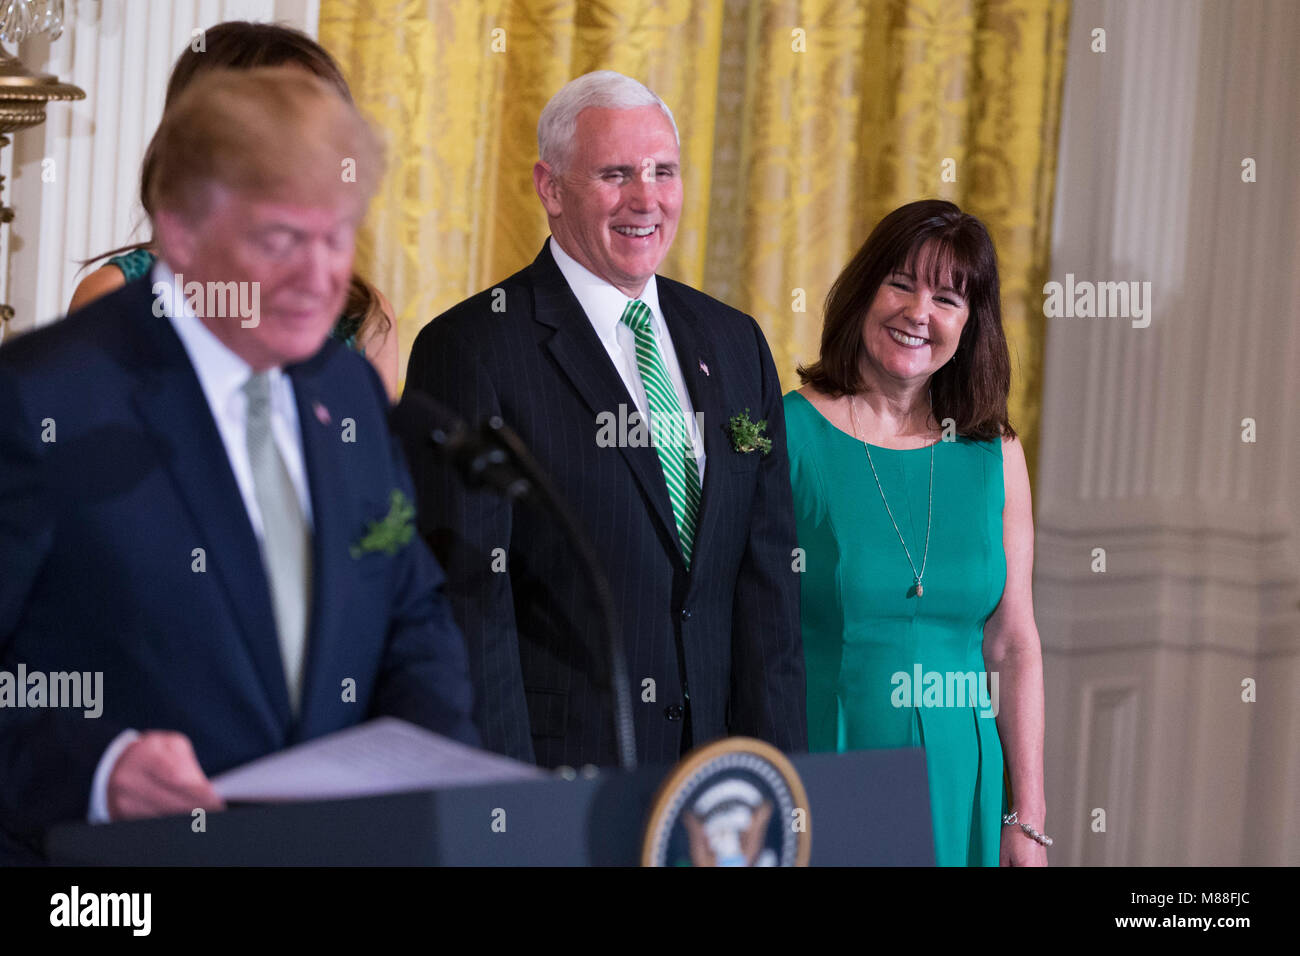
{"points": [[1108, 758], [1142, 451]]}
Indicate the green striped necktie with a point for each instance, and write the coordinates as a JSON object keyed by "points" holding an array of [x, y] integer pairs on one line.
{"points": [[667, 426]]}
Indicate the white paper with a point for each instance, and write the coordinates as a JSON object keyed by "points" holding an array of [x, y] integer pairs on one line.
{"points": [[383, 756]]}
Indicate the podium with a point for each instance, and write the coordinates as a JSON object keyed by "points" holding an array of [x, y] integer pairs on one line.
{"points": [[866, 808]]}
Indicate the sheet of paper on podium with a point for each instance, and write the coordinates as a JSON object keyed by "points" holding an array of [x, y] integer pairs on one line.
{"points": [[383, 756]]}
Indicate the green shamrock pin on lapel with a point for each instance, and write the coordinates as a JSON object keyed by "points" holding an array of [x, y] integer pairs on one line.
{"points": [[391, 533], [747, 436]]}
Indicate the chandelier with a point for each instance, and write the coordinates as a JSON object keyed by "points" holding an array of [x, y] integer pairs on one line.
{"points": [[23, 94]]}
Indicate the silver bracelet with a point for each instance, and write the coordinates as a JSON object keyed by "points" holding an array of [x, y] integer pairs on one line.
{"points": [[1013, 819]]}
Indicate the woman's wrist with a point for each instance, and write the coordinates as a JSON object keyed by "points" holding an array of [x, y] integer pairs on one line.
{"points": [[1027, 829], [1030, 802], [1035, 813]]}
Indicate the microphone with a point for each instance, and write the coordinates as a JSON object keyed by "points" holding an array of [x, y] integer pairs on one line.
{"points": [[479, 455], [491, 456]]}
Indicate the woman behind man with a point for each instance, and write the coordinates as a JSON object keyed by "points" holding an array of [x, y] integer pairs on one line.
{"points": [[367, 324], [919, 538]]}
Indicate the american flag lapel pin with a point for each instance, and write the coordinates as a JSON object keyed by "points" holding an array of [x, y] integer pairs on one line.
{"points": [[322, 413], [704, 368]]}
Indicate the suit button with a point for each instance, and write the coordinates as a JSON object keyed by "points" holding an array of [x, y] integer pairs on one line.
{"points": [[673, 711], [686, 614]]}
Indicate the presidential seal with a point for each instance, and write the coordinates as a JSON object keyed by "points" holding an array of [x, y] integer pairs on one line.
{"points": [[735, 802]]}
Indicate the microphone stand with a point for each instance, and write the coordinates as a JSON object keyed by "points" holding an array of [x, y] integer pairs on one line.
{"points": [[495, 457]]}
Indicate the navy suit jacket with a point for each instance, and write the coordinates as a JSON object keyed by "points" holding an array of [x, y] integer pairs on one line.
{"points": [[717, 645], [99, 567]]}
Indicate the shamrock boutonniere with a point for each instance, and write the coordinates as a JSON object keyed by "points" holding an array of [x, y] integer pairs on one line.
{"points": [[747, 436], [392, 532]]}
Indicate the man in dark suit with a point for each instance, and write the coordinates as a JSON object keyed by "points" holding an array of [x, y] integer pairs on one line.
{"points": [[695, 530], [195, 505]]}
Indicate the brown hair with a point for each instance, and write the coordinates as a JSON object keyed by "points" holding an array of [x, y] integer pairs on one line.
{"points": [[241, 45], [267, 131], [936, 239]]}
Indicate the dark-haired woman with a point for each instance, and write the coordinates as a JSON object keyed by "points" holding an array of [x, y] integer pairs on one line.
{"points": [[367, 324], [913, 511]]}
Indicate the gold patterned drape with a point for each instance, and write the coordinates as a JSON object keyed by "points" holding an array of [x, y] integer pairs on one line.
{"points": [[802, 122]]}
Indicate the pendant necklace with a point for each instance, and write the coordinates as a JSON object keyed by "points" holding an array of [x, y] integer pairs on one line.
{"points": [[917, 588]]}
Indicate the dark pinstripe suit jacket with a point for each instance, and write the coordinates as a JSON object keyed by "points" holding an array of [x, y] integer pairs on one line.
{"points": [[715, 648]]}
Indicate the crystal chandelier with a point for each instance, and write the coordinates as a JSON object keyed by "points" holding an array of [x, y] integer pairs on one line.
{"points": [[23, 94], [20, 19]]}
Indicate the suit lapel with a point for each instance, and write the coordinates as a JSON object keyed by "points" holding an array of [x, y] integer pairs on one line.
{"points": [[172, 405], [583, 359], [323, 462], [691, 345]]}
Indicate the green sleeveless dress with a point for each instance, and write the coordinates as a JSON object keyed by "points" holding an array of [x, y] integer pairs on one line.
{"points": [[138, 262], [886, 668]]}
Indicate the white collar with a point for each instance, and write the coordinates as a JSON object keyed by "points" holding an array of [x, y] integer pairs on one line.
{"points": [[603, 303], [221, 372]]}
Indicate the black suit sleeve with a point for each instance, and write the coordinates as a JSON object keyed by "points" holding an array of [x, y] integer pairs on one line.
{"points": [[469, 532], [48, 755], [767, 669]]}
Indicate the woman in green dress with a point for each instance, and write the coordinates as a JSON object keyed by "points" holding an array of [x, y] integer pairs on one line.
{"points": [[913, 511]]}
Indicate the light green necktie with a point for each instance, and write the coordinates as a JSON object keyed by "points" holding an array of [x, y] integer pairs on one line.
{"points": [[286, 539], [668, 426]]}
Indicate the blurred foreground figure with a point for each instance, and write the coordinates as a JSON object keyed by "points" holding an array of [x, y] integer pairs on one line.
{"points": [[201, 510]]}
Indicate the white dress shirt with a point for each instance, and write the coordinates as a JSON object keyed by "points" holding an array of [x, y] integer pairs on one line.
{"points": [[604, 305], [222, 375]]}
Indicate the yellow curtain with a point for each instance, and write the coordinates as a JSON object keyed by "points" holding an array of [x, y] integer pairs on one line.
{"points": [[802, 122]]}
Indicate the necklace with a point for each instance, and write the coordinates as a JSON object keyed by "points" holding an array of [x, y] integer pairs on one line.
{"points": [[917, 588]]}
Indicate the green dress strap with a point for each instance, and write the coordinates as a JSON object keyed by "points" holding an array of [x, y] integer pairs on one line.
{"points": [[134, 264]]}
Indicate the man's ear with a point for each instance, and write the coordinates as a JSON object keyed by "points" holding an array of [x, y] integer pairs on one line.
{"points": [[175, 239], [548, 187]]}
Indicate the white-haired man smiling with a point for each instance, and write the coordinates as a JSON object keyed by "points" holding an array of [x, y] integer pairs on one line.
{"points": [[695, 533]]}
